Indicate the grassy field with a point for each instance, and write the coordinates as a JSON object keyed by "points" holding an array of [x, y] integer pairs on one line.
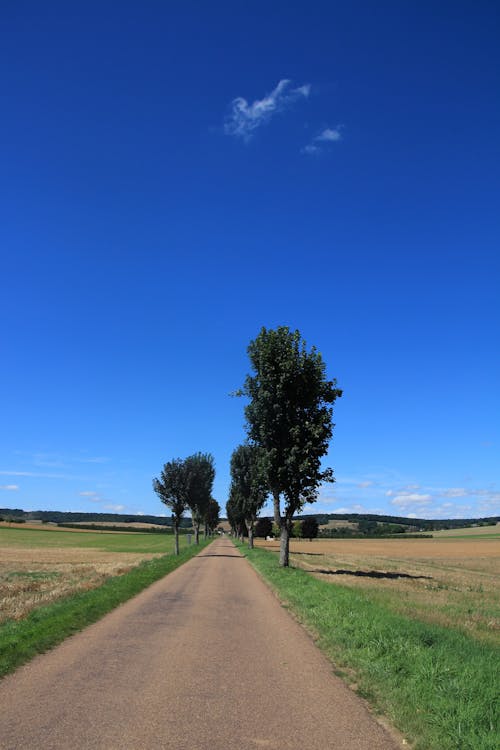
{"points": [[105, 540], [39, 566], [434, 677], [447, 581]]}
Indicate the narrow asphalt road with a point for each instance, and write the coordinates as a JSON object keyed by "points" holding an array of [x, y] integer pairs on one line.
{"points": [[205, 659]]}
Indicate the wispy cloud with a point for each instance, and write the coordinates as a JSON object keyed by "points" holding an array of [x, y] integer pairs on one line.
{"points": [[387, 491], [411, 499], [245, 118], [58, 461], [455, 492], [40, 475], [9, 487], [94, 497], [439, 502], [323, 139]]}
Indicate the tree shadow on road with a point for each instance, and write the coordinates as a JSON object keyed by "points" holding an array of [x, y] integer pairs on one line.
{"points": [[235, 557]]}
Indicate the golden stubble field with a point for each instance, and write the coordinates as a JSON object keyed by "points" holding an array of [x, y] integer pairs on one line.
{"points": [[32, 576], [449, 581]]}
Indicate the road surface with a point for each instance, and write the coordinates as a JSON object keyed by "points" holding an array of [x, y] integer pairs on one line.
{"points": [[205, 659]]}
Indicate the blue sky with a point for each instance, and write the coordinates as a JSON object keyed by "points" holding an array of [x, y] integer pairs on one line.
{"points": [[176, 175]]}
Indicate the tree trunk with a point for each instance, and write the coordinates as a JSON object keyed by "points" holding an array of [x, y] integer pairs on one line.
{"points": [[284, 544], [250, 535], [277, 512], [284, 526], [176, 540], [196, 533]]}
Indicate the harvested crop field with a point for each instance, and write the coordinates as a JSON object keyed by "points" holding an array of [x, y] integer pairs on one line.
{"points": [[38, 567], [452, 582]]}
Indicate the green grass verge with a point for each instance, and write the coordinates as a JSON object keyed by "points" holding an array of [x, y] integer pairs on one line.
{"points": [[436, 685], [45, 627]]}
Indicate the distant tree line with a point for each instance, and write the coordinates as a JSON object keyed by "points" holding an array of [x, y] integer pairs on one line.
{"points": [[409, 524], [367, 521], [56, 516]]}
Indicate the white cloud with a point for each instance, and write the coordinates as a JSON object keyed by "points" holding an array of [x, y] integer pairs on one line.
{"points": [[328, 135], [87, 494], [411, 498], [490, 503], [245, 118], [9, 487], [455, 492], [366, 483], [115, 508]]}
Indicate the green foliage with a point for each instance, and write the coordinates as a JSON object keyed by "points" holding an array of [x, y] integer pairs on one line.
{"points": [[199, 479], [437, 685], [171, 488], [296, 531], [290, 414], [309, 528], [263, 527], [212, 516], [236, 515], [248, 489], [45, 627]]}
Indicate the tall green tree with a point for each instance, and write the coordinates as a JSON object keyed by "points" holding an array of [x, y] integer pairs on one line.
{"points": [[263, 527], [171, 489], [200, 475], [289, 416], [310, 528], [212, 515], [235, 515], [248, 484]]}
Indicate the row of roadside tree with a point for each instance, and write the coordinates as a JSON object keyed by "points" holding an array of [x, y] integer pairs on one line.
{"points": [[265, 528], [288, 421], [289, 425], [186, 484]]}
